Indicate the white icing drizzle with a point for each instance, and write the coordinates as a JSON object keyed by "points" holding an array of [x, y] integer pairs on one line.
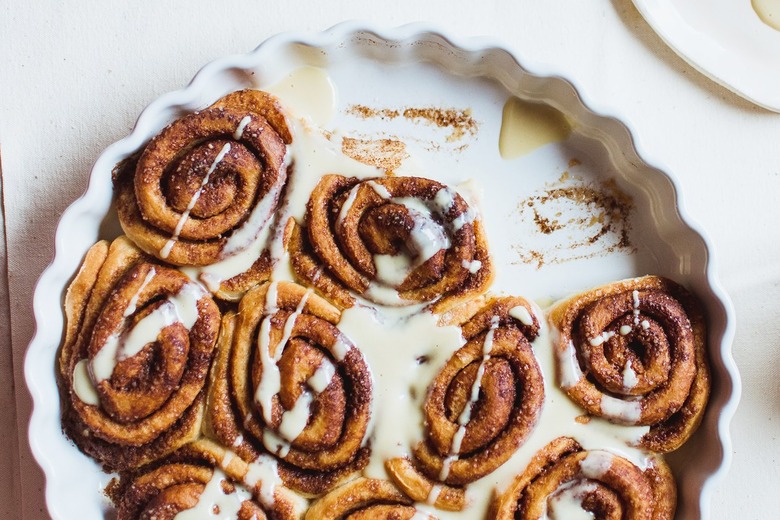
{"points": [[566, 502], [473, 267], [238, 441], [635, 297], [445, 200], [570, 370], [625, 330], [166, 250], [322, 377], [258, 223], [348, 205], [227, 458], [393, 350], [383, 295], [630, 378], [133, 304], [213, 497], [601, 338], [392, 270], [645, 324], [83, 386], [179, 308], [276, 444], [265, 472], [596, 464], [433, 496], [465, 415], [380, 190], [623, 409], [521, 314], [294, 420], [239, 133], [270, 380]]}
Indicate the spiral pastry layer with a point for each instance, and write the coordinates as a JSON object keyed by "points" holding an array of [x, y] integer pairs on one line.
{"points": [[287, 381], [203, 480], [479, 409], [205, 189], [139, 340], [633, 352], [394, 241], [563, 480], [365, 498]]}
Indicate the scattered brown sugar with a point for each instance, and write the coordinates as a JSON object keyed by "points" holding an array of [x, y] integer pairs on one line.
{"points": [[387, 154], [582, 419], [602, 225], [460, 121]]}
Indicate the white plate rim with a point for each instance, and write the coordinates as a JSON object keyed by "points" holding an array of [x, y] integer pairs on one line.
{"points": [[747, 76]]}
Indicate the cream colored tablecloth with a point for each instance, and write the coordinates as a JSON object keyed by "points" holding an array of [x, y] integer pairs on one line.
{"points": [[74, 76]]}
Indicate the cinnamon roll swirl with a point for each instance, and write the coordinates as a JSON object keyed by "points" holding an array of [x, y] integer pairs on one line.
{"points": [[633, 352], [365, 498], [394, 241], [564, 480], [204, 480], [205, 189], [139, 340], [479, 409], [288, 382]]}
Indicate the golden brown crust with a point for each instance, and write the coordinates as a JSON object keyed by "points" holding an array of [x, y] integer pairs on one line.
{"points": [[285, 333], [349, 222], [605, 484], [149, 403], [206, 185], [163, 490], [363, 498], [634, 352], [465, 440]]}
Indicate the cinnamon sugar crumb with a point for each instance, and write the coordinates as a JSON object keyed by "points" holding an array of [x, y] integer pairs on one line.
{"points": [[587, 220], [387, 154], [460, 121]]}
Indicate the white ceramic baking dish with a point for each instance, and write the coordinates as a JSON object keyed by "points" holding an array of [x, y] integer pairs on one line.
{"points": [[417, 65]]}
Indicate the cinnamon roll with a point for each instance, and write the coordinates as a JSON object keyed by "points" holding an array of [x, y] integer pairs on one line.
{"points": [[564, 480], [205, 189], [204, 480], [633, 352], [365, 498], [138, 343], [479, 409], [393, 241], [288, 382]]}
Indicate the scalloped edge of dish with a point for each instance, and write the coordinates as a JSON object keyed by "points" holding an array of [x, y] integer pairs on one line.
{"points": [[94, 204]]}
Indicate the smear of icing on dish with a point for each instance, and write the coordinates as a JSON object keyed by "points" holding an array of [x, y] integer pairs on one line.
{"points": [[526, 126], [768, 11], [307, 92]]}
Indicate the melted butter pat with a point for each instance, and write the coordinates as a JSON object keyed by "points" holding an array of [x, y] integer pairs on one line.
{"points": [[307, 92], [527, 126], [768, 11]]}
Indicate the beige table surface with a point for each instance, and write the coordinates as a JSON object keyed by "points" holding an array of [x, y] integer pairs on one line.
{"points": [[74, 76]]}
